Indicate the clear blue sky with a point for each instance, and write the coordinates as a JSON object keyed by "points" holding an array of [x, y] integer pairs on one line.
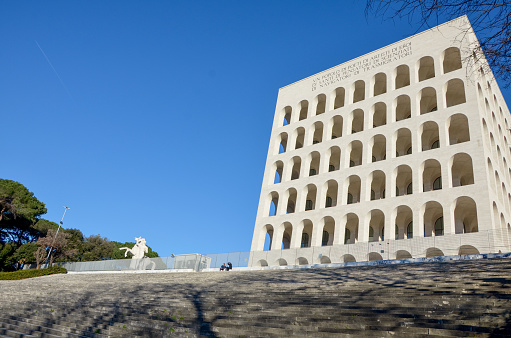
{"points": [[153, 118]]}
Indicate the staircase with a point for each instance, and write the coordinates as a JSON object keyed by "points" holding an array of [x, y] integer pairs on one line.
{"points": [[461, 298]]}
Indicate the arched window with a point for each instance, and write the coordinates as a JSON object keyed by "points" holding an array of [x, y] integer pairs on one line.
{"points": [[357, 121], [379, 114], [304, 110], [426, 68], [429, 135], [439, 227], [431, 175], [318, 133], [300, 137], [409, 230], [402, 76], [380, 84], [403, 142], [295, 171], [355, 149], [339, 97], [359, 91], [321, 104], [458, 129], [287, 115], [403, 108], [282, 143], [305, 240], [455, 93], [428, 102], [452, 60], [347, 236], [337, 127], [291, 201]]}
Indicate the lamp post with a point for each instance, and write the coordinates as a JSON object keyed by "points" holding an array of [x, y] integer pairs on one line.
{"points": [[60, 224]]}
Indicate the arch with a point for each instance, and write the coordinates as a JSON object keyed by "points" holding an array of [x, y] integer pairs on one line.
{"points": [[310, 202], [355, 149], [379, 148], [286, 115], [451, 59], [403, 139], [314, 160], [428, 101], [304, 110], [351, 228], [281, 262], [274, 202], [377, 179], [357, 121], [403, 254], [455, 93], [404, 216], [331, 193], [403, 107], [262, 263], [286, 235], [426, 68], [379, 114], [291, 200], [268, 237], [465, 215], [339, 97], [300, 137], [429, 136], [295, 170], [402, 76], [359, 89], [281, 143], [353, 183], [302, 261], [320, 104], [317, 136], [325, 260], [458, 128], [374, 256], [305, 241], [403, 174], [467, 250], [431, 175], [328, 231], [434, 252], [433, 218], [377, 224], [462, 171], [334, 161], [347, 258], [336, 127], [380, 84], [278, 167]]}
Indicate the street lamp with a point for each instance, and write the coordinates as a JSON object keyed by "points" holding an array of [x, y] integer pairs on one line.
{"points": [[61, 222]]}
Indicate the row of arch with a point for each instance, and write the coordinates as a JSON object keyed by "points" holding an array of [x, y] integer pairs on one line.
{"points": [[371, 228], [357, 92], [499, 187], [457, 126], [371, 256], [402, 179]]}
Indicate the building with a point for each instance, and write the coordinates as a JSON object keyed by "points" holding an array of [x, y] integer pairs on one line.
{"points": [[400, 153]]}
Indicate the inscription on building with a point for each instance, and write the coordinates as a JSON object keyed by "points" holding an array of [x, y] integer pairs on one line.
{"points": [[361, 66]]}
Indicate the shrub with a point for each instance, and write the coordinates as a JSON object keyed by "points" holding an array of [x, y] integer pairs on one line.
{"points": [[22, 274]]}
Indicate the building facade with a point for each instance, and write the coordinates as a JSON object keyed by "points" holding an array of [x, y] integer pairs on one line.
{"points": [[400, 153]]}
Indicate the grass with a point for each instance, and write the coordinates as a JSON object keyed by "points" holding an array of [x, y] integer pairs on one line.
{"points": [[22, 274]]}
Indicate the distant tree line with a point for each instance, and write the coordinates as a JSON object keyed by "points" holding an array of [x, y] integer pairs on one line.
{"points": [[26, 238]]}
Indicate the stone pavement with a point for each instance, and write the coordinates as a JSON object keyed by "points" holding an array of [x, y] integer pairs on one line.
{"points": [[461, 298]]}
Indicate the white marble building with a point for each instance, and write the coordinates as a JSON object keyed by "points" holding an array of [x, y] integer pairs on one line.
{"points": [[402, 152]]}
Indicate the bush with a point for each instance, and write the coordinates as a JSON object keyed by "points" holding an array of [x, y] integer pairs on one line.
{"points": [[22, 274]]}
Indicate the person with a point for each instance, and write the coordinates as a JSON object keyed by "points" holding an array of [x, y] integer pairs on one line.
{"points": [[230, 266], [222, 268]]}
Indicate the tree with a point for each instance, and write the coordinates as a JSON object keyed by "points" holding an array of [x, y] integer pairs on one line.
{"points": [[96, 248], [19, 211], [491, 21], [56, 246]]}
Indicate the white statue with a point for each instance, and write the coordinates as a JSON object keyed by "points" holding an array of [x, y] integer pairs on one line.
{"points": [[139, 260]]}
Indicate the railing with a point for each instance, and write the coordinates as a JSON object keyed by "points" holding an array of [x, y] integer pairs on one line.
{"points": [[483, 242], [491, 241]]}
